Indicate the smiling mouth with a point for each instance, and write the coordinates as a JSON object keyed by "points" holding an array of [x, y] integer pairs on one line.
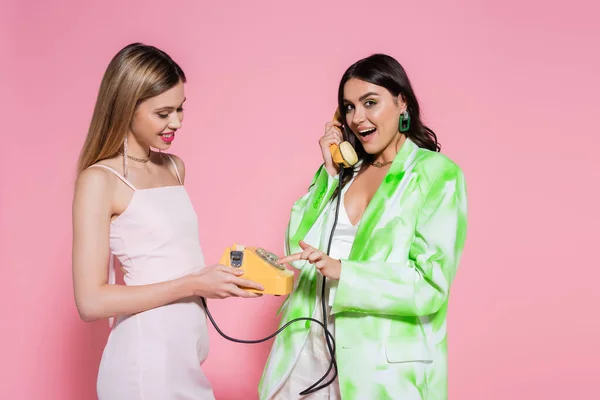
{"points": [[167, 137], [367, 132]]}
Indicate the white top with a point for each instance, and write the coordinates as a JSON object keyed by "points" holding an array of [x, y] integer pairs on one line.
{"points": [[343, 238]]}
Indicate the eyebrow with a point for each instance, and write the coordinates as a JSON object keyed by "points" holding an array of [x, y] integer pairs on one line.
{"points": [[169, 107], [364, 96]]}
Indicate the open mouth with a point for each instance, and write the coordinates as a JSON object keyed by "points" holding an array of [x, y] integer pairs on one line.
{"points": [[366, 133]]}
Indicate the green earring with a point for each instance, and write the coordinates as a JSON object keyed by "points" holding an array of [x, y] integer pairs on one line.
{"points": [[404, 124]]}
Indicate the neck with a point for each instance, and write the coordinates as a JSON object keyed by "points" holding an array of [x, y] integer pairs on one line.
{"points": [[138, 153], [390, 152], [137, 150]]}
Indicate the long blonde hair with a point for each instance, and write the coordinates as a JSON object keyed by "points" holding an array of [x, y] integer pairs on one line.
{"points": [[136, 73]]}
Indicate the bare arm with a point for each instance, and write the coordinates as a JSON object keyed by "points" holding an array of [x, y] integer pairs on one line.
{"points": [[94, 297]]}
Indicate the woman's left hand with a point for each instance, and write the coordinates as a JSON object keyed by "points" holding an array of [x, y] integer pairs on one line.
{"points": [[329, 267]]}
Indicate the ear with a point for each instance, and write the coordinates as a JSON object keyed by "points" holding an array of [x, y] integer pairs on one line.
{"points": [[401, 103]]}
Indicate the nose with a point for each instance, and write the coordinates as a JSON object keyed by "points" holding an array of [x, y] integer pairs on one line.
{"points": [[175, 121], [358, 117]]}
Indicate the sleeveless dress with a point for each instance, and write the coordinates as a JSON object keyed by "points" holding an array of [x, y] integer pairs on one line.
{"points": [[156, 354]]}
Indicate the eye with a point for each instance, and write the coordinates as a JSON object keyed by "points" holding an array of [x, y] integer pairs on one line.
{"points": [[163, 116], [180, 110], [370, 103], [348, 108]]}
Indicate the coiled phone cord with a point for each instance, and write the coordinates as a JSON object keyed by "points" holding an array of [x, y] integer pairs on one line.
{"points": [[328, 336]]}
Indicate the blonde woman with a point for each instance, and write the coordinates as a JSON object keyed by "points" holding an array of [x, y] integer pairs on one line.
{"points": [[130, 202]]}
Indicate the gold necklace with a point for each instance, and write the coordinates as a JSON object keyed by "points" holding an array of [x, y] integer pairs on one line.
{"points": [[142, 160], [379, 164]]}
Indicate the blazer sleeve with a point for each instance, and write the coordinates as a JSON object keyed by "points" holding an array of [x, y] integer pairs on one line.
{"points": [[419, 285], [307, 209]]}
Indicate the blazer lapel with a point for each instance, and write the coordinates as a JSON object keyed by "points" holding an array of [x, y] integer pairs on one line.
{"points": [[381, 200], [315, 206]]}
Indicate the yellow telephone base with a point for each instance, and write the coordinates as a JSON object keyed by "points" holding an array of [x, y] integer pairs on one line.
{"points": [[259, 266]]}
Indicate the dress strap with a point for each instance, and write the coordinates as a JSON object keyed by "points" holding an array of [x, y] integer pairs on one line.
{"points": [[121, 177], [176, 170]]}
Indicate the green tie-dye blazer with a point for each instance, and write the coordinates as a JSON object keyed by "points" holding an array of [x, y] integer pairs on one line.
{"points": [[392, 297]]}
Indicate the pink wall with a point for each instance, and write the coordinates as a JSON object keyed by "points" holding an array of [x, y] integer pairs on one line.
{"points": [[509, 88]]}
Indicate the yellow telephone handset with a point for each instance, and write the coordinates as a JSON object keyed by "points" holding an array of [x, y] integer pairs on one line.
{"points": [[343, 154]]}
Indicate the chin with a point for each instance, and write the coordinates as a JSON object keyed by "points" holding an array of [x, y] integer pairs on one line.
{"points": [[371, 148], [162, 145]]}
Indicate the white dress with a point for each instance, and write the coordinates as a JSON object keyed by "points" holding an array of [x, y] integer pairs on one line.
{"points": [[156, 354], [314, 358]]}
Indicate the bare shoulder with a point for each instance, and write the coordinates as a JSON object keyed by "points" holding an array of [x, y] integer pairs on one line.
{"points": [[93, 179], [92, 186], [115, 163], [180, 165]]}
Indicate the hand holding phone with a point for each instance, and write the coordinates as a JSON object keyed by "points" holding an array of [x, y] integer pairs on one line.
{"points": [[335, 150]]}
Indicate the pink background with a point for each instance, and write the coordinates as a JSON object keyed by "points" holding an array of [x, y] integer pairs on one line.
{"points": [[509, 88]]}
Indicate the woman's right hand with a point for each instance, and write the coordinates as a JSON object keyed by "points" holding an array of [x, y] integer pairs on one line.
{"points": [[219, 281], [333, 134]]}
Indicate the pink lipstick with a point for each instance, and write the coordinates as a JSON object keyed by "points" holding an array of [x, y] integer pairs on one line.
{"points": [[167, 137]]}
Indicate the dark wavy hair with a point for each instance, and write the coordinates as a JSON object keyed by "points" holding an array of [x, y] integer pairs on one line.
{"points": [[383, 70]]}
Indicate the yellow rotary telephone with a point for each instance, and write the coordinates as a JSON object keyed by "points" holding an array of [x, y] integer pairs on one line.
{"points": [[260, 266]]}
